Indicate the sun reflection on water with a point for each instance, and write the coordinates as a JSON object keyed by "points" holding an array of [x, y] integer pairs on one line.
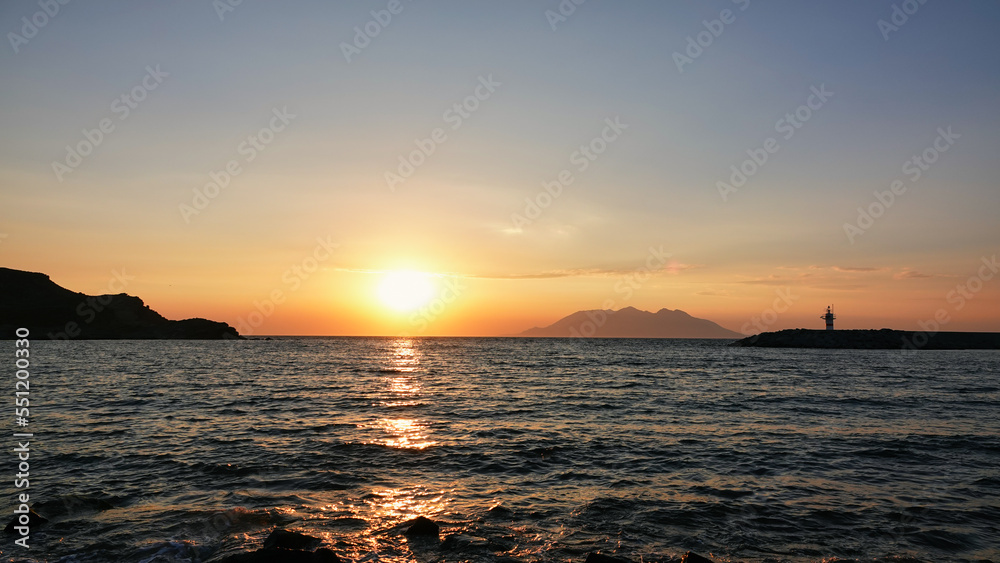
{"points": [[397, 505], [402, 389], [405, 358], [399, 396], [385, 510], [406, 433]]}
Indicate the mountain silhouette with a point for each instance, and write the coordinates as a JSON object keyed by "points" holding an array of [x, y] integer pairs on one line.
{"points": [[632, 323], [31, 300]]}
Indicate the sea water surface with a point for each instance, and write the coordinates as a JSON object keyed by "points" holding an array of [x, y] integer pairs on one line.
{"points": [[529, 449]]}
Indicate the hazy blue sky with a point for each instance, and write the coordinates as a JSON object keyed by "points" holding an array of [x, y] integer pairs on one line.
{"points": [[324, 174]]}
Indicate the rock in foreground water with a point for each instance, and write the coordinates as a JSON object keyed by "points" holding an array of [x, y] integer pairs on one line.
{"points": [[601, 558], [290, 540], [284, 546], [464, 542], [34, 519], [692, 557], [280, 555], [422, 527]]}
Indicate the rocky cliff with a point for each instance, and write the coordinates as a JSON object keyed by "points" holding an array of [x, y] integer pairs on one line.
{"points": [[33, 301]]}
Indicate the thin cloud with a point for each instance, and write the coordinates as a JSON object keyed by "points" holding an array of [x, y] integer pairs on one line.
{"points": [[712, 293], [850, 269], [841, 286], [770, 280], [552, 274], [911, 275], [670, 268], [856, 269]]}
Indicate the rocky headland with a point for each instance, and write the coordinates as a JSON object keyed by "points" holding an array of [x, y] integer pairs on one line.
{"points": [[31, 300]]}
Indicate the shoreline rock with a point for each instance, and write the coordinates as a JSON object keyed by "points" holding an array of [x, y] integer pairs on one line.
{"points": [[422, 527], [283, 546], [281, 555], [34, 520]]}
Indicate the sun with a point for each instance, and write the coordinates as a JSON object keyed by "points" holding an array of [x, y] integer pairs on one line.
{"points": [[405, 290]]}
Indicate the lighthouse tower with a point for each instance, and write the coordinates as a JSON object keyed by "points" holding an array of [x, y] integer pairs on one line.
{"points": [[828, 317]]}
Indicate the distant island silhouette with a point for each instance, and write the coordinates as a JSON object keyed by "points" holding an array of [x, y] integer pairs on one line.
{"points": [[31, 300], [630, 322]]}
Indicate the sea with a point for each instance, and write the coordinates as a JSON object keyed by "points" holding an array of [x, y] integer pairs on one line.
{"points": [[520, 449]]}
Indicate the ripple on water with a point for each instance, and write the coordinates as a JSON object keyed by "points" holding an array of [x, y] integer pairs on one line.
{"points": [[538, 449]]}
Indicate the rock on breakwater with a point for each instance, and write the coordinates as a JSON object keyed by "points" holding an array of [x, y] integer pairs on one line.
{"points": [[884, 339]]}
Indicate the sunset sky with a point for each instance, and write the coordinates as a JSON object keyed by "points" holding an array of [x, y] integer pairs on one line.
{"points": [[312, 106]]}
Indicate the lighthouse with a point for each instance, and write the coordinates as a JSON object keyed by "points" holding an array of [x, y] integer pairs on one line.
{"points": [[828, 317]]}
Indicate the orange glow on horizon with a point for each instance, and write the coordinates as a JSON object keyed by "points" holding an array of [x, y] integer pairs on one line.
{"points": [[335, 301]]}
